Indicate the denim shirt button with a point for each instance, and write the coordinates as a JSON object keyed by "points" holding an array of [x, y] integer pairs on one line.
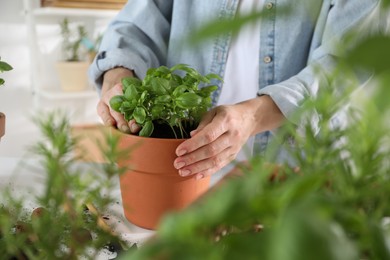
{"points": [[267, 59], [269, 5]]}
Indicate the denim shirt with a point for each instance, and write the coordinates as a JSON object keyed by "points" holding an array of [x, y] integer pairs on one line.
{"points": [[149, 33]]}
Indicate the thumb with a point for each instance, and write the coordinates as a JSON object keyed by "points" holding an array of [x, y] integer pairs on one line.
{"points": [[207, 118]]}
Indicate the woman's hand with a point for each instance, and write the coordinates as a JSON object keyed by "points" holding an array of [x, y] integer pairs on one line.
{"points": [[222, 133], [112, 87]]}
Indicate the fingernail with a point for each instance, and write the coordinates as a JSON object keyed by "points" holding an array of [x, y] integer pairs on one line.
{"points": [[179, 165], [181, 152], [184, 172], [134, 127], [199, 176], [192, 133], [125, 129]]}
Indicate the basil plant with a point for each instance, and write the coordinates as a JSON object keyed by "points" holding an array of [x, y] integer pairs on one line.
{"points": [[176, 97]]}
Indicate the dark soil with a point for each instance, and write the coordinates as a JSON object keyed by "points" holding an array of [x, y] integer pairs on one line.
{"points": [[165, 131]]}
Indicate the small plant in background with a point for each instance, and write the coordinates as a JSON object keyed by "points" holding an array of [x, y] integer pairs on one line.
{"points": [[164, 97], [92, 46], [4, 66], [72, 41]]}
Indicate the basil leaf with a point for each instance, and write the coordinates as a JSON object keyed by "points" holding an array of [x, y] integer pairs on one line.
{"points": [[139, 115], [158, 112], [147, 129], [131, 92], [116, 102], [180, 90], [188, 100], [131, 81], [163, 99], [157, 87]]}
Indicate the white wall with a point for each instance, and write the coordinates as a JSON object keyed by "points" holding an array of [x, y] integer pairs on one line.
{"points": [[14, 42], [16, 98]]}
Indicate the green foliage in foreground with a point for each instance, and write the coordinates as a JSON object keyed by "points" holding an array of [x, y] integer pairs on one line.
{"points": [[64, 228]]}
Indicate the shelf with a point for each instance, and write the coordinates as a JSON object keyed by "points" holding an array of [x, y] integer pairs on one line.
{"points": [[58, 94], [74, 12]]}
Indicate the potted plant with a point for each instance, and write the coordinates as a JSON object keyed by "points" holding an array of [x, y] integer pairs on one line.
{"points": [[72, 70], [3, 67], [167, 106]]}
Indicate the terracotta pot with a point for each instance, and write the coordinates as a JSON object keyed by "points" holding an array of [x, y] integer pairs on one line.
{"points": [[152, 187], [73, 75], [2, 125]]}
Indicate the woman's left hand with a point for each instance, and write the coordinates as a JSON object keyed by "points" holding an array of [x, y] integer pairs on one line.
{"points": [[222, 133]]}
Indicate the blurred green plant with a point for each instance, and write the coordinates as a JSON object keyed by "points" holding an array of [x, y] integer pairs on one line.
{"points": [[72, 41], [63, 226]]}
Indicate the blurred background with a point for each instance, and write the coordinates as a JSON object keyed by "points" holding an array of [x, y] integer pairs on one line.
{"points": [[37, 38]]}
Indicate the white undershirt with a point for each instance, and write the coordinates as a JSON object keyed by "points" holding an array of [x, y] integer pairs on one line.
{"points": [[241, 78]]}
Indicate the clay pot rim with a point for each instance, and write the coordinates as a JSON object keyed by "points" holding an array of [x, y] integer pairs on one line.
{"points": [[148, 138], [124, 135]]}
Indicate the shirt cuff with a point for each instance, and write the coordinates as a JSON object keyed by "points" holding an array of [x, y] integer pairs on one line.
{"points": [[106, 60], [289, 101]]}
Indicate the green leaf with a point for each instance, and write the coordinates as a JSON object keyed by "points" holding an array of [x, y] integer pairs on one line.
{"points": [[158, 112], [116, 102], [147, 129], [163, 70], [127, 108], [188, 100], [158, 86], [5, 66], [131, 81], [183, 67], [139, 115], [163, 99], [206, 91], [131, 92], [173, 121], [213, 76], [372, 53], [1, 82], [143, 97], [151, 72], [180, 90]]}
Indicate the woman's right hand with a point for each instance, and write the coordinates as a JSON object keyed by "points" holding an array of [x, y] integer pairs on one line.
{"points": [[111, 87]]}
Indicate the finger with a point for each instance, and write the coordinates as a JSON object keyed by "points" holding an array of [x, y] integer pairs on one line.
{"points": [[206, 135], [120, 122], [208, 166], [204, 152], [134, 127], [104, 113]]}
